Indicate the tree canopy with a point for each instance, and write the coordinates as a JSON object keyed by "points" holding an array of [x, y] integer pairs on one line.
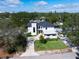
{"points": [[21, 19]]}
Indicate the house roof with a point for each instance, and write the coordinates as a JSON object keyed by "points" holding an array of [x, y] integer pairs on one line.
{"points": [[41, 23], [45, 24]]}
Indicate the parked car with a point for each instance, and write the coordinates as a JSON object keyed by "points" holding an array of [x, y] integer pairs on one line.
{"points": [[77, 53], [77, 57]]}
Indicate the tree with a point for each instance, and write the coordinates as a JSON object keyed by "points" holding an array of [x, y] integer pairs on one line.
{"points": [[11, 49], [20, 18], [9, 46], [1, 41], [21, 43], [42, 40], [15, 44], [71, 26]]}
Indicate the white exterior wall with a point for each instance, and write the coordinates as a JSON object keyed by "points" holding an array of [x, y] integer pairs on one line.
{"points": [[34, 25], [61, 23], [49, 30], [59, 30], [30, 29]]}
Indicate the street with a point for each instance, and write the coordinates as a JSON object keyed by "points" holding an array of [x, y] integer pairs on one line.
{"points": [[50, 56]]}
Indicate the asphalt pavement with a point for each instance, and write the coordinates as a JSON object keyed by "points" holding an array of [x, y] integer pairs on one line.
{"points": [[50, 56]]}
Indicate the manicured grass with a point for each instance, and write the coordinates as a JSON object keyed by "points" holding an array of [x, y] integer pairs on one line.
{"points": [[50, 45]]}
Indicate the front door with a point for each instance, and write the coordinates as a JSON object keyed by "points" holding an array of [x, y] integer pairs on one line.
{"points": [[40, 31]]}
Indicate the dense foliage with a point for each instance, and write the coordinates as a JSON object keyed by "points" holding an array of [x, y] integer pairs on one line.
{"points": [[14, 44], [42, 40], [9, 21]]}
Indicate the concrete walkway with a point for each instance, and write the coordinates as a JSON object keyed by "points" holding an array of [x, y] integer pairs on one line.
{"points": [[30, 50]]}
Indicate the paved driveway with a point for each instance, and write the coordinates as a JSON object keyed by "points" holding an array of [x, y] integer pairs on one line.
{"points": [[30, 49], [66, 40], [51, 56]]}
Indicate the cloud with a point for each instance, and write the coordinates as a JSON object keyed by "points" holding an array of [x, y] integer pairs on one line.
{"points": [[58, 6], [0, 11], [10, 3], [41, 3], [74, 7], [66, 6], [14, 2]]}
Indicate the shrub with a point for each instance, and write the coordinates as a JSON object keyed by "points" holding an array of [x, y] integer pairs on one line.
{"points": [[29, 34], [21, 42], [2, 42], [42, 40], [54, 39], [10, 49], [18, 44]]}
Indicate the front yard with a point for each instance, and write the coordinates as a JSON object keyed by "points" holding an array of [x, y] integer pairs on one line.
{"points": [[50, 45]]}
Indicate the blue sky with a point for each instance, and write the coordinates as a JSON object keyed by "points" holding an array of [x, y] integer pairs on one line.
{"points": [[39, 5]]}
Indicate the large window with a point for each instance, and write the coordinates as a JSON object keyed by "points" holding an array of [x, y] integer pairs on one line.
{"points": [[33, 29], [46, 28], [39, 27], [54, 34]]}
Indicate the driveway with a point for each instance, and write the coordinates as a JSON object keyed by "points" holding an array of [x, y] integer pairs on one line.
{"points": [[30, 49], [66, 40], [51, 56], [31, 54]]}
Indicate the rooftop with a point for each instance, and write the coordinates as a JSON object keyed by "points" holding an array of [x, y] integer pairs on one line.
{"points": [[42, 23]]}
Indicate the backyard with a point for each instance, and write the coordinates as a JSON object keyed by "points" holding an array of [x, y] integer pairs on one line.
{"points": [[50, 45]]}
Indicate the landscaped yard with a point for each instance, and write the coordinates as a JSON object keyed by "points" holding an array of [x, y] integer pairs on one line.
{"points": [[50, 45]]}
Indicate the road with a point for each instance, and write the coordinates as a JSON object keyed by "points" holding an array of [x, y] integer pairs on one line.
{"points": [[50, 56]]}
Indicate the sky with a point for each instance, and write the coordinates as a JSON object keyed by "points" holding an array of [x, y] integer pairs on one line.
{"points": [[39, 5]]}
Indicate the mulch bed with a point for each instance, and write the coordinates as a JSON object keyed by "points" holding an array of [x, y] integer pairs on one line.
{"points": [[4, 54]]}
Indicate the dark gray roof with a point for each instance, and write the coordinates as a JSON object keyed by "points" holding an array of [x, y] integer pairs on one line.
{"points": [[43, 24], [29, 24]]}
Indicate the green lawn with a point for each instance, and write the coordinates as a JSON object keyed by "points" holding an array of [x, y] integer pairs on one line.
{"points": [[50, 45]]}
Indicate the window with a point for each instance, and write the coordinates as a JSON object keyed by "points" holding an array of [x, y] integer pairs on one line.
{"points": [[48, 35], [41, 27], [38, 27], [54, 34], [33, 29], [46, 28]]}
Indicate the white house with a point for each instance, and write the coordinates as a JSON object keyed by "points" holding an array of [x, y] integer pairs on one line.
{"points": [[47, 29]]}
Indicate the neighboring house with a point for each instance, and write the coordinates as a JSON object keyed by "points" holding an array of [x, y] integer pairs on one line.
{"points": [[40, 26]]}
